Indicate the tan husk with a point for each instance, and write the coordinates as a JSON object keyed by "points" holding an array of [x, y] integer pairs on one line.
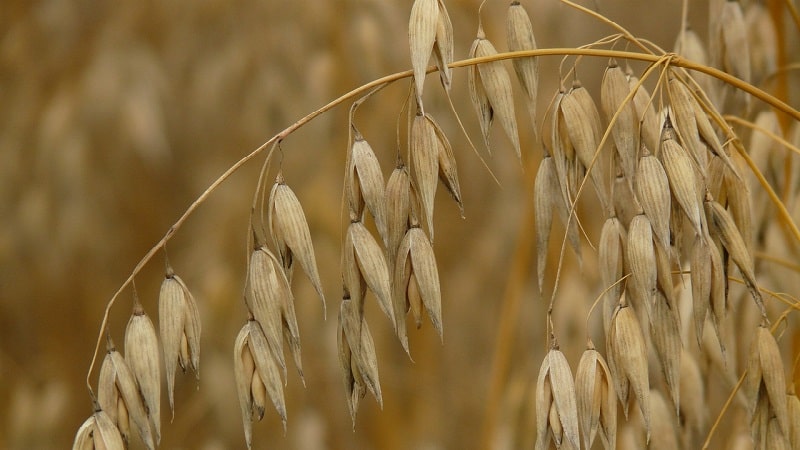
{"points": [[682, 179], [630, 360], [129, 393], [519, 34], [721, 225], [581, 121], [545, 192], [641, 258], [264, 359], [496, 84], [289, 230], [142, 350], [425, 164], [422, 27], [596, 399], [666, 337], [613, 91], [610, 256], [371, 264], [398, 209], [443, 46], [652, 187], [448, 171], [106, 435], [365, 183]]}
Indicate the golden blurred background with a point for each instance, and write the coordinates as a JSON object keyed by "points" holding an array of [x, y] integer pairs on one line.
{"points": [[116, 115]]}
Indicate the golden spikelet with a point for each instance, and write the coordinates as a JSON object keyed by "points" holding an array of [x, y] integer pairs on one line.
{"points": [[628, 361], [682, 114], [641, 258], [129, 396], [680, 173], [581, 121], [666, 338], [365, 264], [398, 209], [610, 256], [613, 91], [519, 33], [425, 164], [179, 328], [365, 183], [422, 27], [765, 377], [721, 225], [289, 230], [443, 46], [596, 399], [357, 357], [490, 89], [142, 350], [652, 188], [415, 269], [448, 171], [555, 402]]}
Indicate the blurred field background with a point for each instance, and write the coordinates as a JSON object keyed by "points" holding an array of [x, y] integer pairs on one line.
{"points": [[116, 115]]}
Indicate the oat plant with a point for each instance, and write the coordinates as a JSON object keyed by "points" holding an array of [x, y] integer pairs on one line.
{"points": [[671, 191]]}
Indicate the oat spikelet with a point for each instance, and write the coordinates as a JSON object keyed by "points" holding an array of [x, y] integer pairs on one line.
{"points": [[652, 187], [666, 337], [443, 46], [581, 121], [765, 381], [650, 129], [596, 399], [425, 164], [448, 171], [289, 230], [610, 255], [141, 348], [681, 175], [555, 402], [545, 192], [264, 292], [613, 91], [422, 27], [369, 262], [629, 354], [398, 209], [519, 33], [721, 225], [357, 358], [365, 183], [415, 257], [266, 371], [641, 258], [682, 114], [98, 432], [129, 395], [179, 328], [497, 98]]}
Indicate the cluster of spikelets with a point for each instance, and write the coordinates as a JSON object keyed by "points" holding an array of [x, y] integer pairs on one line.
{"points": [[129, 386], [666, 179]]}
